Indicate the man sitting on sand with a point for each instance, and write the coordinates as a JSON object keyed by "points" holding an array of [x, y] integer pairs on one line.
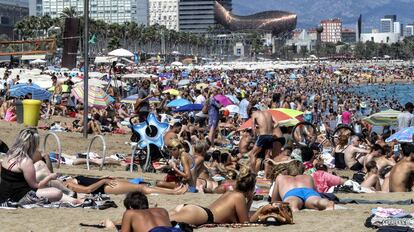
{"points": [[298, 190], [352, 159], [401, 174]]}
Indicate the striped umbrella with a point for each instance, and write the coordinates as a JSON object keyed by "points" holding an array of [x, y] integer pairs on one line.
{"points": [[383, 118], [96, 96], [133, 98], [286, 117]]}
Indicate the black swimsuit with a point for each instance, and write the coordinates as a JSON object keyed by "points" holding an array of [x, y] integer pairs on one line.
{"points": [[210, 215], [13, 185], [87, 181]]}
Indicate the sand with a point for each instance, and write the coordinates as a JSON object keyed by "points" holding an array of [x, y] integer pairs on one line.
{"points": [[350, 219]]}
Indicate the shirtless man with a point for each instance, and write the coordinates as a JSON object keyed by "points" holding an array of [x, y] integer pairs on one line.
{"points": [[353, 161], [299, 192], [263, 125], [372, 180], [172, 133], [245, 143], [139, 218], [378, 155], [401, 173]]}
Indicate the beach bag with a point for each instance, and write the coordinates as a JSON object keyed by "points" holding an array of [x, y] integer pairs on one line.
{"points": [[279, 211]]}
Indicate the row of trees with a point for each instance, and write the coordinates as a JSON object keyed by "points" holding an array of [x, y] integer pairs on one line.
{"points": [[129, 35]]}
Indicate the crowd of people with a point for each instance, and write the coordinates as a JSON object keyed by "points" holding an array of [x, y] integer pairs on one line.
{"points": [[209, 152]]}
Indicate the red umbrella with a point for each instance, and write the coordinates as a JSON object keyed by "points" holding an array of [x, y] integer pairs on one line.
{"points": [[279, 115]]}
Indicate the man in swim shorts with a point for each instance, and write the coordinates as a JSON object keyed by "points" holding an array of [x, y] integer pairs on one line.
{"points": [[299, 191], [263, 125]]}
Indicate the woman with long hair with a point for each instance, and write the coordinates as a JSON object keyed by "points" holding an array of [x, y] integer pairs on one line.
{"points": [[18, 175], [231, 207]]}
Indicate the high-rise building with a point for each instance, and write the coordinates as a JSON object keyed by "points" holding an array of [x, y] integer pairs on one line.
{"points": [[332, 30], [10, 13], [140, 12], [348, 36], [114, 11], [387, 23], [409, 30], [196, 16], [164, 12]]}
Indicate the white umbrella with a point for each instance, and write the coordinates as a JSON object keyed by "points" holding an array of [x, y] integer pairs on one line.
{"points": [[136, 76], [38, 61], [233, 109], [120, 52], [176, 63]]}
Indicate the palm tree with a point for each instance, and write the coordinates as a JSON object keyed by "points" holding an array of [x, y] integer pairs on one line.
{"points": [[114, 43], [69, 12]]}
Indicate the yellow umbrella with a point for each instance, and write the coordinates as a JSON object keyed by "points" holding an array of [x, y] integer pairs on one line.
{"points": [[172, 92], [201, 86]]}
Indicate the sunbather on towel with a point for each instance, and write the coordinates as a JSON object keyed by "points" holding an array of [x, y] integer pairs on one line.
{"points": [[140, 218], [231, 207], [298, 190], [110, 185]]}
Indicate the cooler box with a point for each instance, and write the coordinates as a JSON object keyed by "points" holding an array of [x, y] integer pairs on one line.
{"points": [[31, 110]]}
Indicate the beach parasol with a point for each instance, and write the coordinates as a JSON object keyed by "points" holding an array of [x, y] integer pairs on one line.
{"points": [[233, 109], [223, 100], [120, 52], [285, 117], [383, 118], [36, 92], [233, 99], [178, 102], [201, 86], [403, 136], [133, 98], [176, 63], [183, 82], [172, 92], [189, 108], [38, 61], [96, 96]]}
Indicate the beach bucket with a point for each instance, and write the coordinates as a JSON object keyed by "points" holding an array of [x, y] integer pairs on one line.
{"points": [[19, 111], [31, 112]]}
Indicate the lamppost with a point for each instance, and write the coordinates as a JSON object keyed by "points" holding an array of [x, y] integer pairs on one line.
{"points": [[86, 67]]}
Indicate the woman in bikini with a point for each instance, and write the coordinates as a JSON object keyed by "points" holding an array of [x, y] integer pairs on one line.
{"points": [[111, 185], [231, 207], [181, 165]]}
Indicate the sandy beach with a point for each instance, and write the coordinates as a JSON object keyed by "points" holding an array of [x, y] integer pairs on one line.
{"points": [[350, 219]]}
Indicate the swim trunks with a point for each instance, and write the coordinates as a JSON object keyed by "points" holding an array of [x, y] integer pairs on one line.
{"points": [[165, 229], [301, 193], [265, 141], [357, 167]]}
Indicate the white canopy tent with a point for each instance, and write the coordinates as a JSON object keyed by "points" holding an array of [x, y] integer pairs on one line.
{"points": [[120, 52]]}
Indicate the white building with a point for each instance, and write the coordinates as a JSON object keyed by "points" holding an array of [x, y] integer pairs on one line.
{"points": [[164, 12], [409, 30], [303, 40], [113, 11], [381, 37]]}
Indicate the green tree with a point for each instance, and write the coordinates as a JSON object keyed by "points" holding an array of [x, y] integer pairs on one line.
{"points": [[114, 43]]}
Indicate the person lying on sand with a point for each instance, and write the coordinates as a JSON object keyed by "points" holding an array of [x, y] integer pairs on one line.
{"points": [[138, 217], [231, 207], [298, 190], [401, 174], [111, 185]]}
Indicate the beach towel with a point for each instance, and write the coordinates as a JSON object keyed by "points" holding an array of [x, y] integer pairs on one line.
{"points": [[377, 222]]}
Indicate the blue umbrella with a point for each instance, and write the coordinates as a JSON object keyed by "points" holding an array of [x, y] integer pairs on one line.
{"points": [[23, 85], [37, 93], [403, 136], [189, 108], [233, 99], [178, 102]]}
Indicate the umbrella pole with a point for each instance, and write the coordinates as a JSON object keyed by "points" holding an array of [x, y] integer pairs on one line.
{"points": [[86, 68]]}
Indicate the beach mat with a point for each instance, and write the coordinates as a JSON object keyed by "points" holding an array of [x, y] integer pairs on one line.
{"points": [[239, 225], [384, 202]]}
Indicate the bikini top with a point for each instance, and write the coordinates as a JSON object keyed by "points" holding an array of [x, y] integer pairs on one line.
{"points": [[192, 166]]}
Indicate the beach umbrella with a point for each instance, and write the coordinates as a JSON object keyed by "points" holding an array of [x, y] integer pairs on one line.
{"points": [[176, 63], [189, 108], [24, 85], [120, 52], [201, 86], [172, 92], [136, 76], [36, 92], [38, 61], [96, 96], [133, 98], [233, 109], [178, 102], [223, 100], [285, 117], [233, 99], [403, 136], [383, 118], [183, 82]]}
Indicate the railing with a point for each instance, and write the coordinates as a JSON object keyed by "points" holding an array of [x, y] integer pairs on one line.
{"points": [[58, 143], [103, 151]]}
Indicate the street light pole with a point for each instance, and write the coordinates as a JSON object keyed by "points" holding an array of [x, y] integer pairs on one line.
{"points": [[86, 67]]}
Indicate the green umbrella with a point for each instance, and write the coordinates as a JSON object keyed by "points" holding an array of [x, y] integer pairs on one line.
{"points": [[383, 118]]}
